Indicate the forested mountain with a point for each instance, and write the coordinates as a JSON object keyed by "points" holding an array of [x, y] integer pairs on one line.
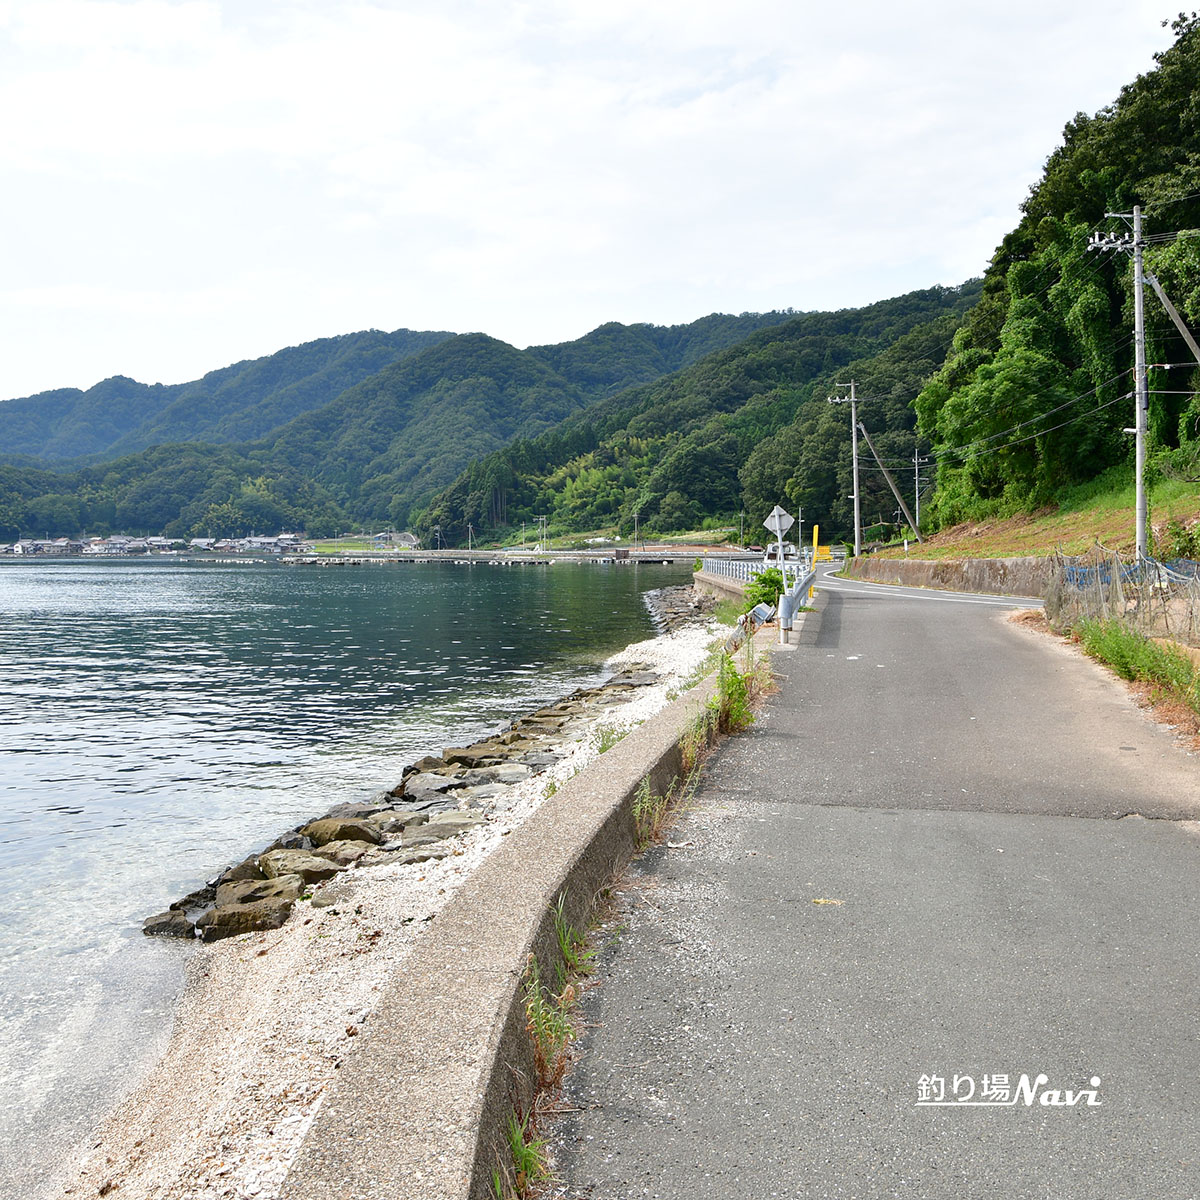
{"points": [[1037, 390], [615, 357], [409, 429], [236, 403], [389, 440], [1020, 384], [719, 436]]}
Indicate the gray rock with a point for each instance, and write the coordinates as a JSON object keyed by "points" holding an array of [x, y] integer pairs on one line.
{"points": [[248, 868], [233, 919], [637, 678], [344, 853], [550, 724], [297, 862], [483, 791], [540, 758], [194, 901], [510, 772], [483, 754], [171, 923], [407, 858], [440, 826], [428, 783], [429, 763], [341, 829], [395, 820], [250, 891], [291, 841], [434, 802], [364, 808]]}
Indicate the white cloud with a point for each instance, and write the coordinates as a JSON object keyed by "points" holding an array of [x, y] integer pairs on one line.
{"points": [[191, 181]]}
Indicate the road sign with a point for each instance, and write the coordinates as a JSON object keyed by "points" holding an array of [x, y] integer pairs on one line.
{"points": [[779, 522]]}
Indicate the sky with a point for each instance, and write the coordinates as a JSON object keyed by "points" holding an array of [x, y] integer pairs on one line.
{"points": [[188, 183]]}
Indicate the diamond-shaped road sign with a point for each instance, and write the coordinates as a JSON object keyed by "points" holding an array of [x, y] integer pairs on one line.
{"points": [[779, 522]]}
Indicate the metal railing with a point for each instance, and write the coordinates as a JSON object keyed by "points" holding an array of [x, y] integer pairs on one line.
{"points": [[744, 569], [798, 576]]}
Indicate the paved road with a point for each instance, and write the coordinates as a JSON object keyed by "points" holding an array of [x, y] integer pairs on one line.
{"points": [[950, 848]]}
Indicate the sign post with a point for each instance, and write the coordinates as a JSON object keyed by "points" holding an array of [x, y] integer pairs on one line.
{"points": [[778, 523]]}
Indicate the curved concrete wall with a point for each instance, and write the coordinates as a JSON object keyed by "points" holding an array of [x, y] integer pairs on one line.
{"points": [[1002, 576]]}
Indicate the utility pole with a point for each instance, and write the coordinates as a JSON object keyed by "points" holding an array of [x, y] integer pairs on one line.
{"points": [[852, 400], [1142, 516], [890, 482], [918, 463], [1135, 245]]}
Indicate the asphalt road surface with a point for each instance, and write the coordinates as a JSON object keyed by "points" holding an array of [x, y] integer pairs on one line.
{"points": [[952, 862]]}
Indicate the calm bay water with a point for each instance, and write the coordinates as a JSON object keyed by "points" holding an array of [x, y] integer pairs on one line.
{"points": [[159, 720]]}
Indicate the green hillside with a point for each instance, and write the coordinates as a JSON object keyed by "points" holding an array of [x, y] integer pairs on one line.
{"points": [[410, 428], [238, 402], [1037, 391], [317, 436], [615, 357], [720, 436]]}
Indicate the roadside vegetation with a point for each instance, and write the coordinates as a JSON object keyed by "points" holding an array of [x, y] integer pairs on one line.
{"points": [[1098, 511], [1170, 676], [551, 1008]]}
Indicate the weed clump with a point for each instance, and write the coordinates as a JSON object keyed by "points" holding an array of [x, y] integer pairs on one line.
{"points": [[1140, 659]]}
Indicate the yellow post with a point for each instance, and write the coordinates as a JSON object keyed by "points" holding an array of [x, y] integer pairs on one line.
{"points": [[816, 547]]}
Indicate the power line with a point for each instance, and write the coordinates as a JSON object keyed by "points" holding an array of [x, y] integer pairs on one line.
{"points": [[969, 452]]}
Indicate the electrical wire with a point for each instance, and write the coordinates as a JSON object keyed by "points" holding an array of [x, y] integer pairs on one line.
{"points": [[966, 452], [1174, 200]]}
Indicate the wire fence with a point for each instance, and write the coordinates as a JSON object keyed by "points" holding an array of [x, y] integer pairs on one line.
{"points": [[1161, 599]]}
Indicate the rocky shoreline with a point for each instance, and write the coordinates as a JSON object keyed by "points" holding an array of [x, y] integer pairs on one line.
{"points": [[266, 1019], [418, 820]]}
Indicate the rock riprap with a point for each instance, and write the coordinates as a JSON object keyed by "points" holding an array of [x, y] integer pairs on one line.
{"points": [[438, 798]]}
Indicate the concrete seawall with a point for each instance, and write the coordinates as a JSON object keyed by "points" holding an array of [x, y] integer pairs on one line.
{"points": [[420, 1108], [719, 585], [999, 576]]}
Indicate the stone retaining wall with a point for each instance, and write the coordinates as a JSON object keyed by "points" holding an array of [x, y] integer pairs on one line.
{"points": [[1001, 576]]}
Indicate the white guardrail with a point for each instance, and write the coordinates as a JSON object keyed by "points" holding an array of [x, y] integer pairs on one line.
{"points": [[798, 577]]}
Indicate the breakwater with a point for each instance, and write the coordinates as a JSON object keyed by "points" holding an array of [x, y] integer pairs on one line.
{"points": [[414, 822], [436, 798]]}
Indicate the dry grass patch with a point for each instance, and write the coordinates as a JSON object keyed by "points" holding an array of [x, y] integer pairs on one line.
{"points": [[1032, 618]]}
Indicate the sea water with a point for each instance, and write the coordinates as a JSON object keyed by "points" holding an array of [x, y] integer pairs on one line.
{"points": [[160, 720]]}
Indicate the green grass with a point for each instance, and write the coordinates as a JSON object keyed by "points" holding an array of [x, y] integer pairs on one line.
{"points": [[577, 957], [607, 736], [727, 612], [528, 1156], [1101, 510], [548, 1024], [1139, 659]]}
